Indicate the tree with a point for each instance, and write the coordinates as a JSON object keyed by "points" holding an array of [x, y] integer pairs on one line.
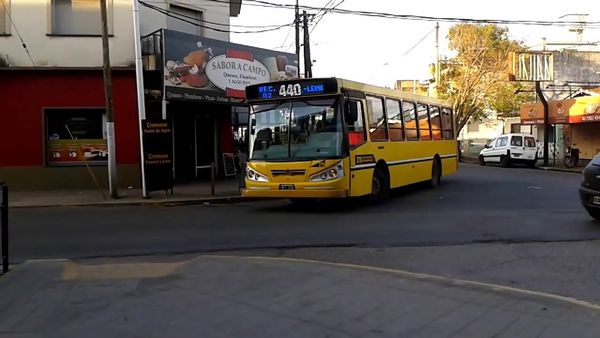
{"points": [[475, 80]]}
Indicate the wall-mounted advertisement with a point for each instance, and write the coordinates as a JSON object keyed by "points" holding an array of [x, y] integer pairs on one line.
{"points": [[75, 136], [201, 69]]}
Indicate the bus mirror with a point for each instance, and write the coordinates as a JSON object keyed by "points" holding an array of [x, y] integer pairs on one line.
{"points": [[252, 126], [351, 112]]}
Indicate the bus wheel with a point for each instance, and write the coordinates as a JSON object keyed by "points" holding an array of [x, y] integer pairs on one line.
{"points": [[380, 189], [436, 174]]}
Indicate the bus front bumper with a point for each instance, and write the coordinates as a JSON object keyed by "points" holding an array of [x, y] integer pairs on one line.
{"points": [[275, 192]]}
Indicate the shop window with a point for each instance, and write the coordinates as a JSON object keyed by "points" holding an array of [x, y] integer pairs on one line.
{"points": [[78, 17], [187, 14], [436, 122], [377, 121], [75, 136], [410, 121], [447, 125], [394, 116], [4, 22], [424, 124]]}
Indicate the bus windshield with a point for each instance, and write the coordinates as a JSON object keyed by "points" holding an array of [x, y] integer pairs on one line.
{"points": [[298, 130]]}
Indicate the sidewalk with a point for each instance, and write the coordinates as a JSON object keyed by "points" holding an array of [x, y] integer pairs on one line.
{"points": [[190, 193], [212, 296]]}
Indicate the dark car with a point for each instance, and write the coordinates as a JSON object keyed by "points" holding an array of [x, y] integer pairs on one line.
{"points": [[590, 188]]}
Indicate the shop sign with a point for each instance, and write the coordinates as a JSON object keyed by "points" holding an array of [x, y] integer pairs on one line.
{"points": [[201, 69], [578, 110], [158, 154]]}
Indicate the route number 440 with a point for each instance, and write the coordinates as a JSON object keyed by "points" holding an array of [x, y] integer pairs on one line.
{"points": [[290, 90]]}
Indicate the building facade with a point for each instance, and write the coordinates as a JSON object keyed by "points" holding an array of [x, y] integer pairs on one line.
{"points": [[53, 103]]}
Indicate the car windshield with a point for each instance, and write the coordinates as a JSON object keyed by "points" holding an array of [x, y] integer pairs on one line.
{"points": [[296, 130]]}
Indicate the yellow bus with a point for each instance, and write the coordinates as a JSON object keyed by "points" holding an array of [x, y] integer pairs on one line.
{"points": [[332, 138]]}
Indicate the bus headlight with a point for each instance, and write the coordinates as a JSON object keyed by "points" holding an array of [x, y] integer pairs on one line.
{"points": [[335, 172], [254, 175]]}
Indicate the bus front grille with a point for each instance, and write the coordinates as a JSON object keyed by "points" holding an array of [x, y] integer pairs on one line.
{"points": [[288, 172]]}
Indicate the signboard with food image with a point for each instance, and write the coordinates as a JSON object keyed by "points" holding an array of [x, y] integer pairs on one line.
{"points": [[199, 68]]}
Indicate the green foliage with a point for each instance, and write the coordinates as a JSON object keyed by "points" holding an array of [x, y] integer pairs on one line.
{"points": [[475, 80]]}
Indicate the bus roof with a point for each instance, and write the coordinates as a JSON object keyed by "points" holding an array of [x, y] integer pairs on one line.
{"points": [[329, 86], [393, 93]]}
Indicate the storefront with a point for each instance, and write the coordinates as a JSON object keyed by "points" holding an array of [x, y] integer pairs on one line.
{"points": [[196, 85], [574, 122], [54, 128]]}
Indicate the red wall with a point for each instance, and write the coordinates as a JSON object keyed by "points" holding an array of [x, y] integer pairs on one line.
{"points": [[25, 94]]}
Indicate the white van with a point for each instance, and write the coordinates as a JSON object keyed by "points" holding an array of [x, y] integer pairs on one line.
{"points": [[508, 149]]}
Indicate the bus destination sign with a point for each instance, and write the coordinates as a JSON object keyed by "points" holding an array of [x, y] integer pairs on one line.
{"points": [[287, 89]]}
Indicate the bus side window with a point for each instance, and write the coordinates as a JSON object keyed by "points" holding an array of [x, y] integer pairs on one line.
{"points": [[410, 121], [436, 122], [447, 125], [355, 123], [377, 119]]}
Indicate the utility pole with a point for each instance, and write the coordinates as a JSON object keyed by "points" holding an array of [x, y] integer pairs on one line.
{"points": [[307, 59], [139, 79], [297, 23], [437, 58], [540, 94], [110, 121]]}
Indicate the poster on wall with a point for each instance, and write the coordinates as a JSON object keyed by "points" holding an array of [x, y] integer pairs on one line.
{"points": [[75, 136], [158, 154], [77, 151], [202, 69]]}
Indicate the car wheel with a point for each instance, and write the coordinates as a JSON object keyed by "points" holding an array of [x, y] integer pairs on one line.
{"points": [[505, 161], [481, 160], [380, 189], [532, 163], [436, 174], [595, 213]]}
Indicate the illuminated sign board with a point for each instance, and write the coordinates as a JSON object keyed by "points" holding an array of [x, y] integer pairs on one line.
{"points": [[290, 89]]}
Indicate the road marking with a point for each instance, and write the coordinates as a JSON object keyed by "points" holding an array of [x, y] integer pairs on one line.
{"points": [[92, 272], [534, 187], [428, 277]]}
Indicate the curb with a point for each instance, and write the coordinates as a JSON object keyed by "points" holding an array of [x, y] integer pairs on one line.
{"points": [[146, 202], [564, 170]]}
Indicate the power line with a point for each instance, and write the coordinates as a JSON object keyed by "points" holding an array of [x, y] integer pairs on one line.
{"points": [[183, 17], [12, 22], [262, 3], [418, 43], [325, 12]]}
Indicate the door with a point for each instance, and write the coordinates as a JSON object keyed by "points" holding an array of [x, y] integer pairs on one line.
{"points": [[517, 149], [499, 148], [204, 145], [530, 148]]}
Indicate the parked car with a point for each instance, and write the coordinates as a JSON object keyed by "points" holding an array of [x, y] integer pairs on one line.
{"points": [[590, 188], [508, 149]]}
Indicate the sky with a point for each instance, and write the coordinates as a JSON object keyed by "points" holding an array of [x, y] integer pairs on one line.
{"points": [[380, 51]]}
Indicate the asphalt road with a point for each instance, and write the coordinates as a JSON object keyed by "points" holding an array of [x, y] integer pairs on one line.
{"points": [[479, 205]]}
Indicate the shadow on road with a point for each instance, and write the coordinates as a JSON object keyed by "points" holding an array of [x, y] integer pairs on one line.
{"points": [[349, 205]]}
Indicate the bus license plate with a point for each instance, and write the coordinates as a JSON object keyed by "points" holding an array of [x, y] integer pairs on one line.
{"points": [[596, 199], [290, 187]]}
